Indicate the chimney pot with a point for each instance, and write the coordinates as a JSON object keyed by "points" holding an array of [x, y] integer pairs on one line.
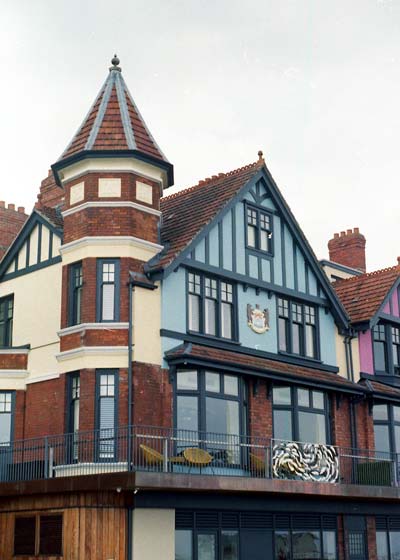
{"points": [[356, 230], [2, 204], [398, 260], [342, 233], [349, 231], [21, 209], [11, 207], [335, 236]]}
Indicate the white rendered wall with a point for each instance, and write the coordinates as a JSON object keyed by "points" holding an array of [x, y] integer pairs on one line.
{"points": [[153, 534]]}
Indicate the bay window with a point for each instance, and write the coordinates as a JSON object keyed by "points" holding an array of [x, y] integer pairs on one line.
{"points": [[300, 414], [211, 306], [297, 328]]}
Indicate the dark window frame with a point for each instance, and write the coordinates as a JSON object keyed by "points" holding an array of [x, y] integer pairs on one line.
{"points": [[73, 387], [203, 277], [99, 289], [307, 311], [12, 412], [259, 212], [294, 408], [75, 294], [385, 333], [390, 422], [98, 397], [37, 517], [8, 321], [201, 394]]}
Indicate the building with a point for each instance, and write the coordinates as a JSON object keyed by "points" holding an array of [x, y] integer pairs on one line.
{"points": [[163, 356]]}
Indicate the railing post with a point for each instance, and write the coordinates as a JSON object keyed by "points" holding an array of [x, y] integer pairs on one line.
{"points": [[46, 457], [165, 454]]}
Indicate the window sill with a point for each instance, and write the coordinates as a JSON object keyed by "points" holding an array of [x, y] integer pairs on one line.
{"points": [[260, 252], [217, 338], [300, 357]]}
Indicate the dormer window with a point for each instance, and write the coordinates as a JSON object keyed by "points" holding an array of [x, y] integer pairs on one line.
{"points": [[386, 340], [259, 229], [6, 320]]}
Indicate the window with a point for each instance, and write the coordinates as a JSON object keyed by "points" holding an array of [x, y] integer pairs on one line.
{"points": [[106, 390], [386, 340], [300, 415], [108, 290], [386, 429], [259, 229], [75, 283], [211, 402], [6, 416], [297, 326], [388, 537], [211, 306], [6, 320], [48, 528], [73, 413]]}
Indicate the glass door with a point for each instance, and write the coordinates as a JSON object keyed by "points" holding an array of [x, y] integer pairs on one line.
{"points": [[206, 545]]}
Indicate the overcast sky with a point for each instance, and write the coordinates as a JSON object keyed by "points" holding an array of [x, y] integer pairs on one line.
{"points": [[315, 84]]}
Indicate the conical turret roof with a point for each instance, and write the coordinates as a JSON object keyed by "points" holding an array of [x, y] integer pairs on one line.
{"points": [[114, 124]]}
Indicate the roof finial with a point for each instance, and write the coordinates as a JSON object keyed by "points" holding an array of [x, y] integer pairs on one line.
{"points": [[115, 63], [260, 156]]}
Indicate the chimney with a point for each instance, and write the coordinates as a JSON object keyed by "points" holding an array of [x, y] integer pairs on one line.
{"points": [[348, 248]]}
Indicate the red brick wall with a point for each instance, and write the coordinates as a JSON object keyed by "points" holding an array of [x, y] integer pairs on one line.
{"points": [[44, 408], [152, 395], [11, 221], [348, 249], [95, 337], [13, 361], [371, 538], [259, 410], [19, 415], [50, 194]]}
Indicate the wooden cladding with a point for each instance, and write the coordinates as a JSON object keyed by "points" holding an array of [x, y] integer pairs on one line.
{"points": [[89, 526]]}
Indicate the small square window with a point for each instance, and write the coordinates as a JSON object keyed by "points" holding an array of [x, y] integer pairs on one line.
{"points": [[303, 396], [187, 380], [231, 385], [282, 395], [213, 383]]}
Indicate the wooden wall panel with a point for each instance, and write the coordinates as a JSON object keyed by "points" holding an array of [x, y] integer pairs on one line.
{"points": [[94, 525]]}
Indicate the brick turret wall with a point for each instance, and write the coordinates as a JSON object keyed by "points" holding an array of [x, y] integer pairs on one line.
{"points": [[11, 221]]}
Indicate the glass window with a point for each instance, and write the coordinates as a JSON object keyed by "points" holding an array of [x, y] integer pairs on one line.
{"points": [[106, 412], [386, 428], [300, 415], [282, 545], [206, 546], [183, 545], [396, 348], [306, 544], [382, 442], [380, 412], [329, 545], [6, 320], [394, 540], [380, 351], [259, 229], [297, 328], [187, 379], [108, 290], [187, 413], [230, 545], [6, 411], [231, 385], [213, 382], [76, 285], [210, 306]]}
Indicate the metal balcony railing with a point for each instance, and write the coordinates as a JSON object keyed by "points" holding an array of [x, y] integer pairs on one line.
{"points": [[165, 450]]}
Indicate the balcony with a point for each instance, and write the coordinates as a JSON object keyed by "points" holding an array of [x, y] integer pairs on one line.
{"points": [[165, 451]]}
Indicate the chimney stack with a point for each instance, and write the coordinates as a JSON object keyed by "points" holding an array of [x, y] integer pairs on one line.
{"points": [[348, 249]]}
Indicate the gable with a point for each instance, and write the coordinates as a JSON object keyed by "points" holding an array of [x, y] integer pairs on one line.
{"points": [[290, 267], [390, 308], [36, 246]]}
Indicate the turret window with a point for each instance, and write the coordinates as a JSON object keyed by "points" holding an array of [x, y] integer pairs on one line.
{"points": [[108, 290], [75, 299]]}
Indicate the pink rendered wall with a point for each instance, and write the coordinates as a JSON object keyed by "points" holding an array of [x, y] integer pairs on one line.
{"points": [[386, 309], [395, 303], [366, 356]]}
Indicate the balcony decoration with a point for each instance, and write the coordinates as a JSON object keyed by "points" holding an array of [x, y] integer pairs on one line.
{"points": [[305, 461]]}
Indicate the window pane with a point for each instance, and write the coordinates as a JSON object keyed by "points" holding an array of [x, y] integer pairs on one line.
{"points": [[251, 236], [283, 425], [263, 240], [303, 397], [296, 331], [183, 545], [306, 544], [210, 317], [282, 395], [226, 320], [382, 442], [230, 545], [318, 400], [312, 427], [24, 535], [396, 413], [329, 545], [282, 545], [108, 302], [213, 382], [380, 412], [310, 341], [194, 312], [222, 416], [187, 379], [283, 334], [206, 547], [187, 413], [394, 538], [396, 439], [380, 355], [5, 428], [231, 385], [382, 545]]}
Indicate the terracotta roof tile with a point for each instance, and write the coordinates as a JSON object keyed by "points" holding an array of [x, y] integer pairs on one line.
{"points": [[186, 213], [381, 388], [239, 360], [363, 295]]}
